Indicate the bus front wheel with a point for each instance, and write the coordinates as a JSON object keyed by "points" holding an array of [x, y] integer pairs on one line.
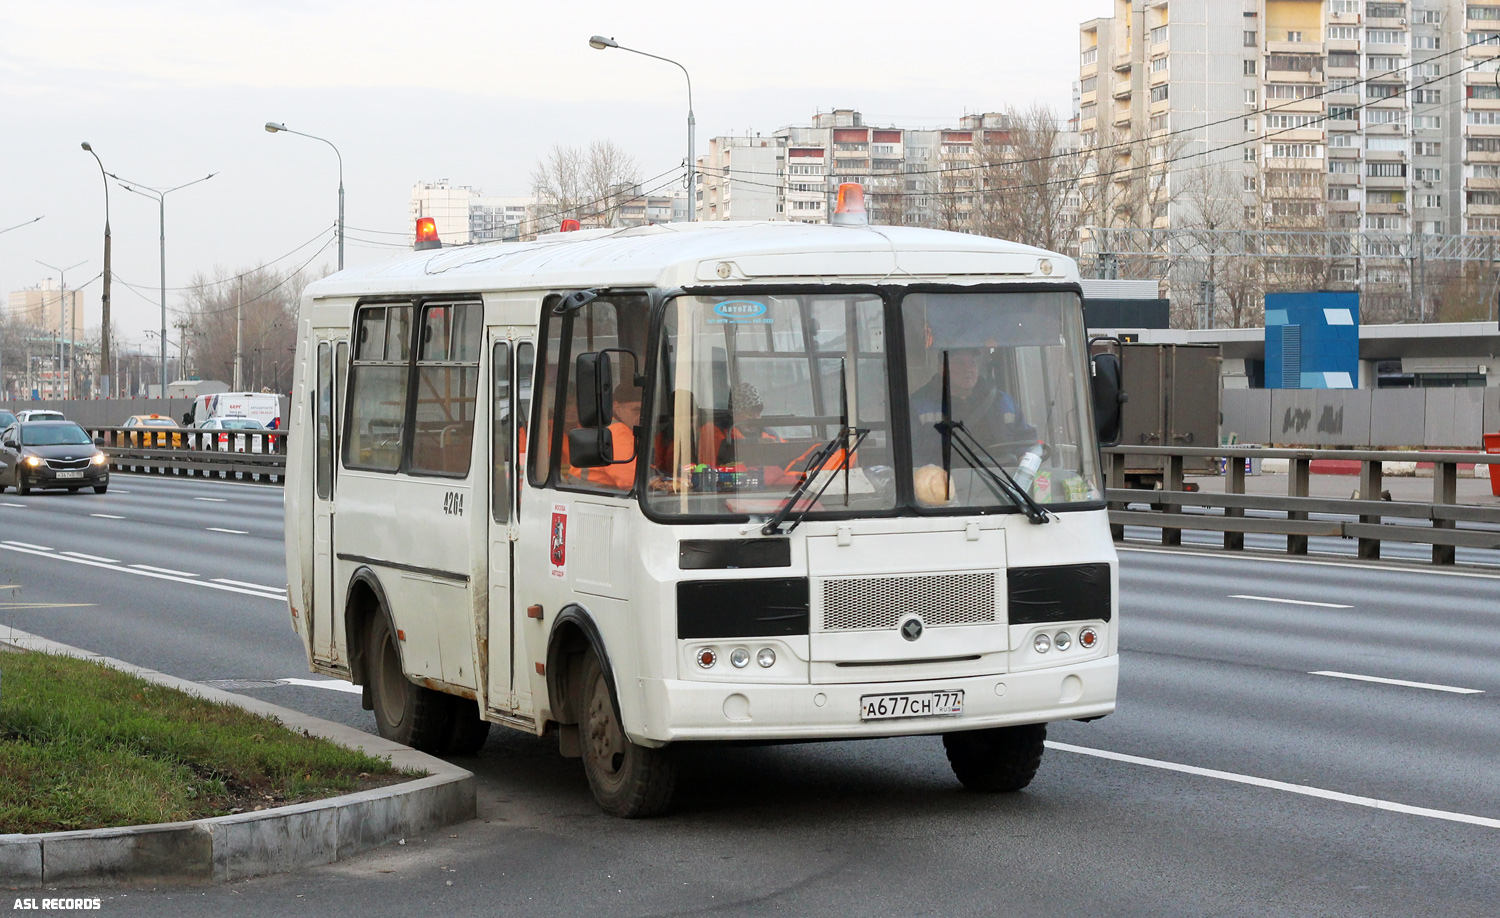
{"points": [[410, 714], [628, 780], [1000, 760]]}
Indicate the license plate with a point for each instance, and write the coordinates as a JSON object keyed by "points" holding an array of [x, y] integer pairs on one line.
{"points": [[69, 474], [911, 704]]}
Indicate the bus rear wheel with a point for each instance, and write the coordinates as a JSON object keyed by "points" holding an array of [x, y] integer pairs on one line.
{"points": [[410, 714], [1001, 760], [628, 780]]}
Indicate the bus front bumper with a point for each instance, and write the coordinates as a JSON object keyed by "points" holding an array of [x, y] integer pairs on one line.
{"points": [[675, 709]]}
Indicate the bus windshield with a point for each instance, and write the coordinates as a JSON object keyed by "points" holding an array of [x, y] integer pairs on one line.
{"points": [[1015, 383], [752, 391], [756, 394]]}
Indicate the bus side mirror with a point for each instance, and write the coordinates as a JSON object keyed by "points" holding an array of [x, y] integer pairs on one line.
{"points": [[594, 390], [590, 447], [1104, 381]]}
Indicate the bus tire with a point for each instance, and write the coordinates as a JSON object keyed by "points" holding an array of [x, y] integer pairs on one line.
{"points": [[628, 780], [467, 730], [410, 714], [1000, 760]]}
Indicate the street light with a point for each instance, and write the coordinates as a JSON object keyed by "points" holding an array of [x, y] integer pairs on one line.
{"points": [[27, 223], [272, 127], [599, 43], [104, 294], [160, 194], [62, 308]]}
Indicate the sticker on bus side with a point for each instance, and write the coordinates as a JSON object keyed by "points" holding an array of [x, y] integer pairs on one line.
{"points": [[558, 550]]}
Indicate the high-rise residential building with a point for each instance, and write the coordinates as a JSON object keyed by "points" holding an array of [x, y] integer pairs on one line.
{"points": [[466, 215], [914, 176], [1380, 116], [47, 307]]}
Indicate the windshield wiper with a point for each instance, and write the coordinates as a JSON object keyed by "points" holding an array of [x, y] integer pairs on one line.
{"points": [[956, 435], [815, 465]]}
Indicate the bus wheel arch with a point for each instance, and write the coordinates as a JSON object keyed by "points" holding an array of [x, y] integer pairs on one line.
{"points": [[574, 633], [363, 601]]}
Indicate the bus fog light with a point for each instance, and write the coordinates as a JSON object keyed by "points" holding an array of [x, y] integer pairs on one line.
{"points": [[739, 658], [707, 657], [1062, 641], [766, 658], [1042, 644], [1087, 638]]}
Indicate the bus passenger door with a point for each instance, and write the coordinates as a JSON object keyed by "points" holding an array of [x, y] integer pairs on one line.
{"points": [[321, 617], [510, 375]]}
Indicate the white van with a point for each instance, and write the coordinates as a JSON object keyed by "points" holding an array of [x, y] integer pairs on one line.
{"points": [[264, 407]]}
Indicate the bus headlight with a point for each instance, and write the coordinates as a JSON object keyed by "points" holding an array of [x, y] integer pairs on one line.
{"points": [[739, 658], [766, 658], [1062, 641], [1042, 643]]}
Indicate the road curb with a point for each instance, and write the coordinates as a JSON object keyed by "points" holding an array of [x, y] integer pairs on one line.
{"points": [[244, 844]]}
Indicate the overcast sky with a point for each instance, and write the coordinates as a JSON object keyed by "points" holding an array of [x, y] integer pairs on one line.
{"points": [[473, 92]]}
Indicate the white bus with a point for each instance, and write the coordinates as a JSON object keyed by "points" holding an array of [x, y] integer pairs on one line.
{"points": [[758, 482]]}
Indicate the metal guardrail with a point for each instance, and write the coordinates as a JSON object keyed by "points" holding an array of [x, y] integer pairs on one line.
{"points": [[235, 454], [1376, 520]]}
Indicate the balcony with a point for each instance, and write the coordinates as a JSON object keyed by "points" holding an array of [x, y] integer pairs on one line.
{"points": [[1122, 90], [1294, 47], [1385, 182], [1386, 208]]}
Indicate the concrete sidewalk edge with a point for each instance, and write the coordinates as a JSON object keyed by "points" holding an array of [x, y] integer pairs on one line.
{"points": [[244, 844]]}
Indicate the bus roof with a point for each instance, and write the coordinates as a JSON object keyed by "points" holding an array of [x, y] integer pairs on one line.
{"points": [[693, 254]]}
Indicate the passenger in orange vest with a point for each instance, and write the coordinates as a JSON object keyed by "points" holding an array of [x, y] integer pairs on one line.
{"points": [[621, 475]]}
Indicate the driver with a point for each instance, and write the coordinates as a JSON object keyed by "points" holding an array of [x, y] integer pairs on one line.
{"points": [[987, 411]]}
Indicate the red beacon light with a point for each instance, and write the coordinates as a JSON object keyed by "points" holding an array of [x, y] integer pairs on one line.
{"points": [[570, 226], [849, 209], [427, 234]]}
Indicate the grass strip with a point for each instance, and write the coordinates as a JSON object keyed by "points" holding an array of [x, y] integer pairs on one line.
{"points": [[84, 746]]}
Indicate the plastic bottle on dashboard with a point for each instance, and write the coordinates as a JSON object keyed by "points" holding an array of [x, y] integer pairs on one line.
{"points": [[1030, 462]]}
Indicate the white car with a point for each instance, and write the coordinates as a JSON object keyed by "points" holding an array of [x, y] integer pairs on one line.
{"points": [[237, 442], [39, 414]]}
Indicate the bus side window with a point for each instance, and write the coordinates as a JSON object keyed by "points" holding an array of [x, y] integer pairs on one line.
{"points": [[447, 388], [375, 425], [323, 425], [521, 410], [539, 458], [500, 439]]}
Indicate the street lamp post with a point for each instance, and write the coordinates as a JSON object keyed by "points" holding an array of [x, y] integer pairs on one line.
{"points": [[272, 127], [104, 294], [62, 312], [160, 195], [599, 43]]}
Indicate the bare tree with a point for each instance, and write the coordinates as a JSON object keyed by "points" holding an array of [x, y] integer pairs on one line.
{"points": [[585, 185], [265, 301], [1028, 184]]}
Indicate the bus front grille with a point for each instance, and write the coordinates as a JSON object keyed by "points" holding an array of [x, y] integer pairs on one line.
{"points": [[874, 603]]}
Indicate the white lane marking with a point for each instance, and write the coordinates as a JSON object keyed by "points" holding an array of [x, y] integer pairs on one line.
{"points": [[1291, 602], [1302, 789], [163, 570], [7, 504], [107, 516], [79, 554], [1402, 682], [337, 685], [216, 500], [253, 586], [121, 491], [28, 545], [230, 531], [1263, 556], [47, 553]]}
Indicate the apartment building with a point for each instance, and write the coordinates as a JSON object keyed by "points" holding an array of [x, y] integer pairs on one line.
{"points": [[794, 173], [1381, 115], [466, 215]]}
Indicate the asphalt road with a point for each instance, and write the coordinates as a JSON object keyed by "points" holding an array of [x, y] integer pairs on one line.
{"points": [[1237, 778]]}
